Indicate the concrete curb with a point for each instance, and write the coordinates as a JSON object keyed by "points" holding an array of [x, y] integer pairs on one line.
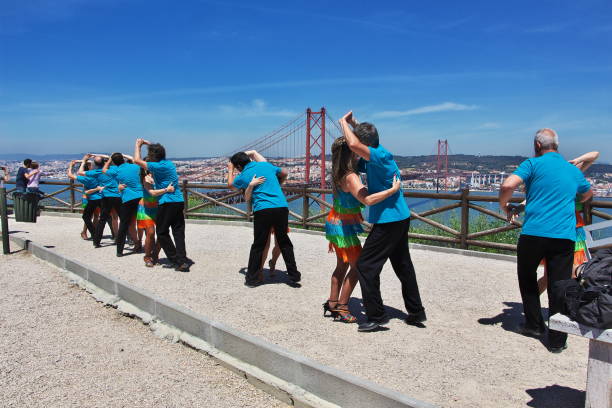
{"points": [[292, 378], [425, 247]]}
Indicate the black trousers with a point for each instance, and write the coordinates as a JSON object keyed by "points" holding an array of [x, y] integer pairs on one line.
{"points": [[170, 215], [88, 213], [387, 241], [264, 221], [108, 204], [559, 255], [127, 213]]}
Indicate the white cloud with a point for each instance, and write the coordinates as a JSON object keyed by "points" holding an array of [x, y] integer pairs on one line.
{"points": [[257, 107], [489, 125], [442, 107]]}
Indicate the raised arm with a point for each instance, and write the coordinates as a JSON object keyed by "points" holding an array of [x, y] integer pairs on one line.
{"points": [[137, 156], [585, 161], [360, 192], [231, 176], [255, 156], [361, 150], [81, 171], [71, 175], [505, 193], [106, 166]]}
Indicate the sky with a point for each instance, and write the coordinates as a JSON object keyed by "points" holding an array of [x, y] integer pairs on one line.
{"points": [[205, 77]]}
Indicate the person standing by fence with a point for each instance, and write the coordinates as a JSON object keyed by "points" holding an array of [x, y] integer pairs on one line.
{"points": [[128, 179], [270, 211], [549, 229], [170, 213], [33, 177], [92, 198], [6, 175], [111, 198], [388, 238], [21, 182]]}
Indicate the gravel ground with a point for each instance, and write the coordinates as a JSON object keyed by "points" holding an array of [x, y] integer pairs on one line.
{"points": [[59, 348], [467, 356]]}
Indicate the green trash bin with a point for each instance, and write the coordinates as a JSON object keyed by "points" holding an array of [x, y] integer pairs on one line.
{"points": [[26, 206]]}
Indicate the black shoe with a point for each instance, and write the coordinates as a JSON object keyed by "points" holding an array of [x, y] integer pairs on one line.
{"points": [[382, 321], [97, 246], [119, 254], [184, 267], [368, 326], [530, 332], [416, 318], [253, 284], [557, 350], [294, 284]]}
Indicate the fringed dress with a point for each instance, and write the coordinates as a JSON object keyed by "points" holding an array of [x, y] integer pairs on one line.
{"points": [[147, 210], [343, 225], [580, 250]]}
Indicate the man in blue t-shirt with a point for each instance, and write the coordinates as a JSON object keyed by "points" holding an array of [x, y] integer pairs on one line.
{"points": [[21, 182], [270, 211], [171, 212], [91, 194], [388, 238], [111, 197], [127, 176], [549, 228]]}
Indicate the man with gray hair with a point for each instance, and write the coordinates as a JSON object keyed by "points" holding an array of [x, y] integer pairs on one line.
{"points": [[549, 228]]}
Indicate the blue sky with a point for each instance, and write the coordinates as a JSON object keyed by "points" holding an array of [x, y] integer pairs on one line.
{"points": [[204, 77]]}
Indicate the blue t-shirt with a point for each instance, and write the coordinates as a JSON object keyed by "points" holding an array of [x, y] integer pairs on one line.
{"points": [[20, 178], [552, 184], [268, 194], [129, 175], [109, 183], [88, 184], [164, 173], [380, 170]]}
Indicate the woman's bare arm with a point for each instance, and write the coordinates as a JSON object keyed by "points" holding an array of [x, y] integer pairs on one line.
{"points": [[360, 192]]}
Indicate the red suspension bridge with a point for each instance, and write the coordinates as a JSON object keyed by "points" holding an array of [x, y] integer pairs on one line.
{"points": [[301, 146]]}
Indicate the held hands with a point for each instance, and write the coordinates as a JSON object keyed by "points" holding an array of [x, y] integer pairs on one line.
{"points": [[255, 181], [170, 189], [513, 211], [397, 183], [149, 179], [140, 142]]}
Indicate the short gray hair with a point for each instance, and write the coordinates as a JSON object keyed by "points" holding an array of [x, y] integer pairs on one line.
{"points": [[547, 138]]}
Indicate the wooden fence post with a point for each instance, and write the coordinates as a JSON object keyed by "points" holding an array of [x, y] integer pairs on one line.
{"points": [[185, 198], [6, 246], [305, 209], [465, 218], [72, 199]]}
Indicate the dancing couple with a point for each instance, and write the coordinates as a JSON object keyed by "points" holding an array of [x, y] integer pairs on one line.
{"points": [[359, 151]]}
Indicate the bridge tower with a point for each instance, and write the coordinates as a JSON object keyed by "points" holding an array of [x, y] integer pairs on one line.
{"points": [[442, 164], [315, 143]]}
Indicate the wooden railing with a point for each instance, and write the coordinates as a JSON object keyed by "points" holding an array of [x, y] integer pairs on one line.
{"points": [[215, 201]]}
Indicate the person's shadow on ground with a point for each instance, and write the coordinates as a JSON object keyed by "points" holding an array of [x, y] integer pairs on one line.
{"points": [[555, 396], [357, 309], [280, 277], [510, 318]]}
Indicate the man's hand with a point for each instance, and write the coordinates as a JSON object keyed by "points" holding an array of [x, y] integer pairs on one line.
{"points": [[513, 211], [121, 187], [140, 142], [397, 183], [170, 188], [255, 181], [149, 179], [230, 167], [100, 188]]}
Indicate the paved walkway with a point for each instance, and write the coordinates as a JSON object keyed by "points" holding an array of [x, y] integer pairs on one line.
{"points": [[59, 348], [468, 356]]}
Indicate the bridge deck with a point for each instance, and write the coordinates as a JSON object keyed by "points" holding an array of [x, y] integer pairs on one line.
{"points": [[467, 356]]}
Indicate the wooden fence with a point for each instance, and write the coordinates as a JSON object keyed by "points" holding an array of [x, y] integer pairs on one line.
{"points": [[203, 201]]}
